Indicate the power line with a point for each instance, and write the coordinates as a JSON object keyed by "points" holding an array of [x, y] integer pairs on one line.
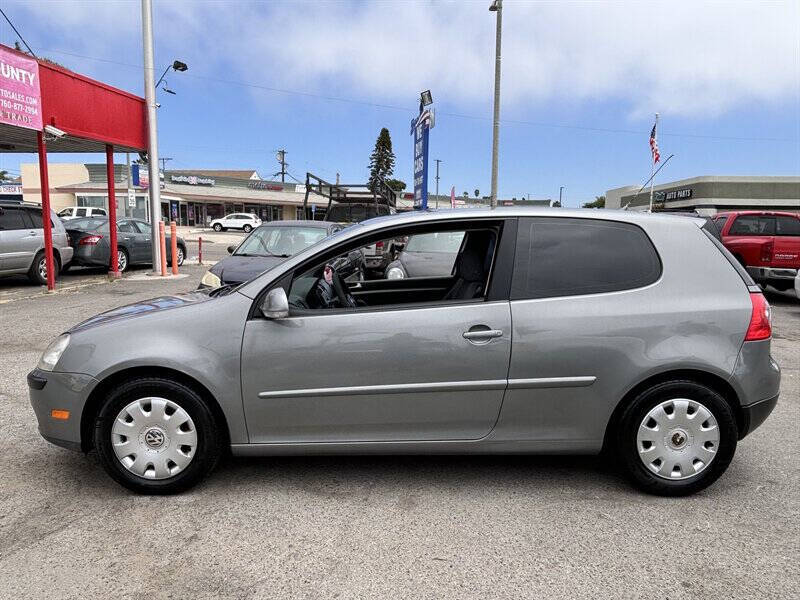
{"points": [[443, 113], [18, 33]]}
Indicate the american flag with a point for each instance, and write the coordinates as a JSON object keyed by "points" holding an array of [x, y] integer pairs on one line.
{"points": [[654, 144]]}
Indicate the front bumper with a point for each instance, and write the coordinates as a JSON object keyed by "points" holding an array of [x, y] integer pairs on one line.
{"points": [[51, 391], [766, 273]]}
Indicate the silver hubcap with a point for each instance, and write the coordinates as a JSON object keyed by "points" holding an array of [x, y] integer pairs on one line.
{"points": [[154, 438], [43, 268], [677, 439], [180, 256], [122, 262]]}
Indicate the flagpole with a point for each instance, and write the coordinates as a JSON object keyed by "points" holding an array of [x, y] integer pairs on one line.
{"points": [[652, 167]]}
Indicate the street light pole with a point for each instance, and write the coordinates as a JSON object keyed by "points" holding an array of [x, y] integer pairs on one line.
{"points": [[152, 132], [497, 6], [560, 191], [437, 182]]}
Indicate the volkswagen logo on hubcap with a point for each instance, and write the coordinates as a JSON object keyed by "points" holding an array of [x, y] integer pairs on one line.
{"points": [[154, 438]]}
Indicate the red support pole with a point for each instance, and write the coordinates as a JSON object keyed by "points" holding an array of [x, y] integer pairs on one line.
{"points": [[173, 243], [112, 211], [163, 245], [200, 250], [44, 182]]}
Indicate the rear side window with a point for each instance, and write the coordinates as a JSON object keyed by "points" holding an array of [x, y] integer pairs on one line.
{"points": [[11, 218], [570, 257], [787, 226], [753, 225]]}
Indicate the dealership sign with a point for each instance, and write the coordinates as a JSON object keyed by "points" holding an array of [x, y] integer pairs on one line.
{"points": [[265, 185], [20, 98], [683, 194], [420, 128], [192, 180]]}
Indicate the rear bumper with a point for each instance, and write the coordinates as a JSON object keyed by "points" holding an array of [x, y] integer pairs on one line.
{"points": [[755, 414], [766, 273], [59, 391]]}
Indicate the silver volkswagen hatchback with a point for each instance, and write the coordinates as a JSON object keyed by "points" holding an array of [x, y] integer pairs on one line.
{"points": [[557, 331]]}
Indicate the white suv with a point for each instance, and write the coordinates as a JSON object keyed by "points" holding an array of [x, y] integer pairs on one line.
{"points": [[76, 212], [244, 221]]}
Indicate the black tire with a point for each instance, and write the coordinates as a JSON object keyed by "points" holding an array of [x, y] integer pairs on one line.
{"points": [[634, 414], [37, 272], [217, 227], [209, 436], [247, 228], [123, 260]]}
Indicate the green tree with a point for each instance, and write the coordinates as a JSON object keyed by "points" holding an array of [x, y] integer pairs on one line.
{"points": [[477, 192], [557, 204], [381, 161], [398, 185], [599, 202], [4, 176]]}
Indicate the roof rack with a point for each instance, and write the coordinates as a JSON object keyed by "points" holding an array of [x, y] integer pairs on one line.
{"points": [[358, 193]]}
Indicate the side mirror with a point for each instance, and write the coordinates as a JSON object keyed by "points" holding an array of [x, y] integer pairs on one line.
{"points": [[231, 249], [275, 304]]}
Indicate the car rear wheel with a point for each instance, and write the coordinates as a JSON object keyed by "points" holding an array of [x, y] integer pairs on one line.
{"points": [[156, 436], [217, 227], [122, 260], [676, 438], [247, 228], [37, 272], [181, 255]]}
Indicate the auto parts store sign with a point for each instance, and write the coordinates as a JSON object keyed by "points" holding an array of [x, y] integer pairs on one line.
{"points": [[20, 98]]}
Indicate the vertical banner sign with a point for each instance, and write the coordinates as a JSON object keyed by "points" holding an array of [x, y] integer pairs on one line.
{"points": [[20, 98], [420, 127]]}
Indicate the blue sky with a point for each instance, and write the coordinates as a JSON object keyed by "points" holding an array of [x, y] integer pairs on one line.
{"points": [[581, 81]]}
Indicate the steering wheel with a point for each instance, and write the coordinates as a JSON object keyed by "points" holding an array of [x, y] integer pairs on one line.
{"points": [[346, 299]]}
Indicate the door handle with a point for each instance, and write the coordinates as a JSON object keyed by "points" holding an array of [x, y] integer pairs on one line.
{"points": [[482, 334], [32, 233]]}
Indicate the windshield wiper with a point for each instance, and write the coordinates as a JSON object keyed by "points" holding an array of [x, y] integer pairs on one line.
{"points": [[222, 290], [263, 255]]}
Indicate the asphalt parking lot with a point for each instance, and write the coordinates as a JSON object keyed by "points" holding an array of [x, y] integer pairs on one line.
{"points": [[349, 527]]}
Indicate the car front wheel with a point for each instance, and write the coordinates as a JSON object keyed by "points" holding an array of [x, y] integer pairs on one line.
{"points": [[156, 436], [247, 228], [217, 227], [38, 269], [676, 438]]}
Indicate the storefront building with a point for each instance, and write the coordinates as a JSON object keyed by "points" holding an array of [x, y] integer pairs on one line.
{"points": [[188, 197], [709, 195]]}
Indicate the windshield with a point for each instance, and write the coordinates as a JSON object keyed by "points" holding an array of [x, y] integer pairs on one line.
{"points": [[442, 241], [280, 241]]}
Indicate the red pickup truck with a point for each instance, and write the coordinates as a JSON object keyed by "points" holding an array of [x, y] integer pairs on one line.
{"points": [[766, 243]]}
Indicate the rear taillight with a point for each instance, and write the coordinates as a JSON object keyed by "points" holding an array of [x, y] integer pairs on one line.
{"points": [[760, 319], [90, 240], [379, 245], [766, 251]]}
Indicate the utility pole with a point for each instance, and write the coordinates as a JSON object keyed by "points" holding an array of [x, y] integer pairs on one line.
{"points": [[128, 183], [152, 132], [164, 163], [560, 192], [281, 156], [437, 182], [497, 6]]}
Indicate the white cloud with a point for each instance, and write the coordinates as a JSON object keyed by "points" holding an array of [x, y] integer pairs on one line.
{"points": [[685, 58]]}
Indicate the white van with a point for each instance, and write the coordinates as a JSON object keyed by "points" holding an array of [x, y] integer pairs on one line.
{"points": [[76, 212]]}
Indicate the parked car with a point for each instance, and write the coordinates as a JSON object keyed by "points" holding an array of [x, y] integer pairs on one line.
{"points": [[78, 212], [559, 331], [267, 246], [767, 243], [244, 221], [427, 255], [22, 242], [91, 241]]}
